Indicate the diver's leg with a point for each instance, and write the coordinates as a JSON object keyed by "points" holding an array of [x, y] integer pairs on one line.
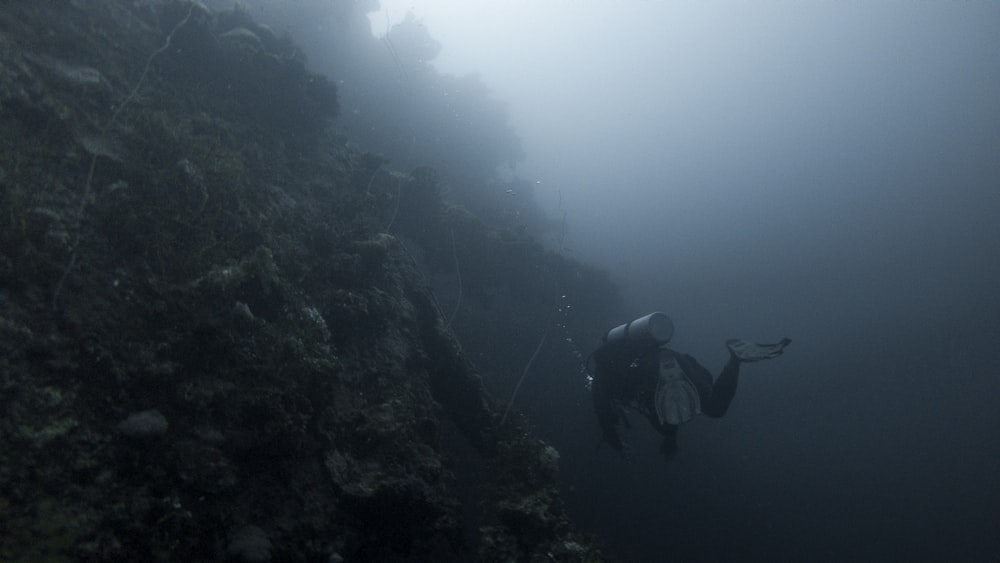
{"points": [[669, 432], [724, 389]]}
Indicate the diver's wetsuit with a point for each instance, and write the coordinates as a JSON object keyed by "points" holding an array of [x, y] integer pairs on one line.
{"points": [[626, 376]]}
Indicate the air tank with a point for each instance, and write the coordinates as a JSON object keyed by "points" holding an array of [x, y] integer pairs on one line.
{"points": [[654, 328]]}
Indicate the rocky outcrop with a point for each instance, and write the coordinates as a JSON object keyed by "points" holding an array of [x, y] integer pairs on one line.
{"points": [[211, 345]]}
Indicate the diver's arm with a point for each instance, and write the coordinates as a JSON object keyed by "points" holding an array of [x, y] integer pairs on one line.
{"points": [[715, 396]]}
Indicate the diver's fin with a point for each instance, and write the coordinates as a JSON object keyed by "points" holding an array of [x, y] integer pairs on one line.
{"points": [[750, 352], [676, 400]]}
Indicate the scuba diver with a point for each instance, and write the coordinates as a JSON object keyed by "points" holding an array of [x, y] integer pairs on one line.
{"points": [[636, 370]]}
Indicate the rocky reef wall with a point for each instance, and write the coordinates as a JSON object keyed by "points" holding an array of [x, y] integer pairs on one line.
{"points": [[212, 344]]}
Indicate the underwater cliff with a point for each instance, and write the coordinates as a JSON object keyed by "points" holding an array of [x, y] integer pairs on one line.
{"points": [[218, 340]]}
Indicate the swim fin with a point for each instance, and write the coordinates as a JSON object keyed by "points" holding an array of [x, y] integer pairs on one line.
{"points": [[676, 399], [750, 352]]}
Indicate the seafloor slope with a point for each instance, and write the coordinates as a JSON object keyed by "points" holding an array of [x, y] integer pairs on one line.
{"points": [[213, 344]]}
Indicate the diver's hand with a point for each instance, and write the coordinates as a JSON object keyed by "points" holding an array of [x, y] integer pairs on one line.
{"points": [[749, 352]]}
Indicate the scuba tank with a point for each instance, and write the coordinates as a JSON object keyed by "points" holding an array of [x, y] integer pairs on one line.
{"points": [[675, 399], [625, 376], [652, 329], [626, 342]]}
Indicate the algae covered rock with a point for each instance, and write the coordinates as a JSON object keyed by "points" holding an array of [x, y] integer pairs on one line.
{"points": [[210, 348], [249, 544], [144, 425]]}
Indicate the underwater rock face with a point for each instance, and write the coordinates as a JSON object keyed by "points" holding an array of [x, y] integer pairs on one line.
{"points": [[75, 74], [144, 424], [232, 269], [249, 544]]}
